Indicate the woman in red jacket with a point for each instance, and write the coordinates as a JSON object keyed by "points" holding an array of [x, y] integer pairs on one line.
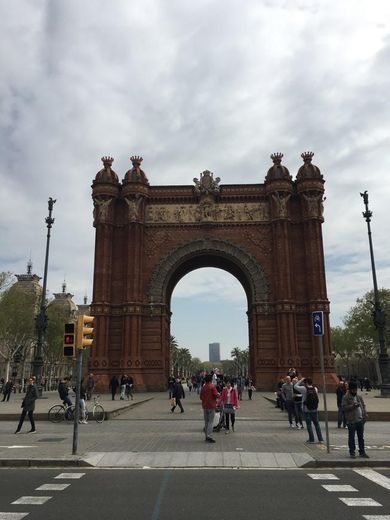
{"points": [[229, 401]]}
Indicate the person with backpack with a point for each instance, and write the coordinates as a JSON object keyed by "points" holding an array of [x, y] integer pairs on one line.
{"points": [[310, 407]]}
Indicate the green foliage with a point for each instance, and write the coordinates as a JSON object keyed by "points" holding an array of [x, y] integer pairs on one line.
{"points": [[17, 322], [241, 360], [54, 335]]}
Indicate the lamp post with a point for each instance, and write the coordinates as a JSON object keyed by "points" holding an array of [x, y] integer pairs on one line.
{"points": [[41, 319], [377, 313]]}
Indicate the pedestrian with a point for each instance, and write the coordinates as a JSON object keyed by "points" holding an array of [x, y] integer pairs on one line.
{"points": [[7, 390], [208, 396], [288, 398], [28, 406], [240, 386], [113, 386], [171, 384], [83, 395], [63, 391], [310, 407], [178, 394], [341, 390], [229, 404], [123, 387], [90, 386], [356, 415], [250, 387], [297, 398], [279, 398], [129, 387], [189, 384]]}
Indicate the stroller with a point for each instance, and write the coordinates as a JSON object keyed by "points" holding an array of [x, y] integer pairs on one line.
{"points": [[221, 419]]}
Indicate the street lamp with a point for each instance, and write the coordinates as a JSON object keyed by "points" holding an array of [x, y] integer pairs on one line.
{"points": [[41, 319], [377, 313]]}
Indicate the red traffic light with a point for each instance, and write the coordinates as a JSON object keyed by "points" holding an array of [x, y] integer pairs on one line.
{"points": [[68, 339]]}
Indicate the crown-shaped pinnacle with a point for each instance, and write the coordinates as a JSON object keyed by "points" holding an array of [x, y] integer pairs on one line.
{"points": [[277, 157], [107, 161], [307, 157], [136, 160]]}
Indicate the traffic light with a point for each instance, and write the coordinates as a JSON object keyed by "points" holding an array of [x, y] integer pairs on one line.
{"points": [[84, 331], [69, 340]]}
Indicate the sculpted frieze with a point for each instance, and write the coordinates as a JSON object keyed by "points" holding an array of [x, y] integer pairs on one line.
{"points": [[207, 211]]}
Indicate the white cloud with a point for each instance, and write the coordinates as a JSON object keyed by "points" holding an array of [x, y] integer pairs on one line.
{"points": [[213, 84]]}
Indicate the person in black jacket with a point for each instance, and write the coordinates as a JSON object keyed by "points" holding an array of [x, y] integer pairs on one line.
{"points": [[28, 405], [341, 390], [63, 391], [113, 386], [178, 394]]}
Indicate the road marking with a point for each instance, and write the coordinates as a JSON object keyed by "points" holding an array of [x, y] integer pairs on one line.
{"points": [[376, 517], [31, 500], [12, 516], [322, 476], [70, 475], [16, 447], [51, 487], [360, 502], [346, 487], [375, 477], [160, 496]]}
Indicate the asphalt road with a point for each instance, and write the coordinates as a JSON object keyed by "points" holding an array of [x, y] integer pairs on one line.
{"points": [[165, 494]]}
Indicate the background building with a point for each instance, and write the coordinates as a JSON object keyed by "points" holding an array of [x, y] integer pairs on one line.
{"points": [[214, 352]]}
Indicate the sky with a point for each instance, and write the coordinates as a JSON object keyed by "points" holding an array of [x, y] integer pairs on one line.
{"points": [[189, 86]]}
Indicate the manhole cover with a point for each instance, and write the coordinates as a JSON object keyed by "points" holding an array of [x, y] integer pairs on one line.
{"points": [[52, 439]]}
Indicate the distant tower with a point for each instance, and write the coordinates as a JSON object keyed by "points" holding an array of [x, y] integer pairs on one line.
{"points": [[214, 352]]}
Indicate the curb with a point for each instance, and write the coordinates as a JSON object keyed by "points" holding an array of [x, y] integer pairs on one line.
{"points": [[44, 463]]}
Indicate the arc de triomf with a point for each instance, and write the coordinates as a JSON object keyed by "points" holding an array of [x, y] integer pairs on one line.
{"points": [[267, 235]]}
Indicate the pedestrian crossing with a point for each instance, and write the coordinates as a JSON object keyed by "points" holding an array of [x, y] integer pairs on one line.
{"points": [[372, 475]]}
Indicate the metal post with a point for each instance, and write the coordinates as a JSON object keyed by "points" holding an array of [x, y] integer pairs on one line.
{"points": [[321, 343], [79, 365], [41, 319], [378, 314]]}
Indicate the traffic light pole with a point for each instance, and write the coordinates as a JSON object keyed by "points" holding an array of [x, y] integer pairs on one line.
{"points": [[79, 365], [41, 319]]}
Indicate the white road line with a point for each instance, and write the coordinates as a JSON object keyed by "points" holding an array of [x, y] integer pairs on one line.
{"points": [[17, 447], [336, 488], [12, 516], [51, 487], [70, 475], [376, 517], [322, 476], [31, 500], [375, 477], [360, 502]]}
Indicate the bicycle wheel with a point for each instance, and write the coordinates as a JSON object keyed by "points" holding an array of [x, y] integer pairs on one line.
{"points": [[56, 413], [98, 413], [69, 413]]}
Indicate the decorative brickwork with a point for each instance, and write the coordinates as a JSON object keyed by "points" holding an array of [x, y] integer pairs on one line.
{"points": [[266, 235]]}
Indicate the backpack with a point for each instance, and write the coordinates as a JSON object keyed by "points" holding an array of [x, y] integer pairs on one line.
{"points": [[311, 399]]}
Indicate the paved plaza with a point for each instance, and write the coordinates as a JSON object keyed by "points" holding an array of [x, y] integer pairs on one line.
{"points": [[144, 433]]}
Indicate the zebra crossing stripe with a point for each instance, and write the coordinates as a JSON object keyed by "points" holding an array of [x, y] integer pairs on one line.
{"points": [[322, 476], [336, 488], [70, 475], [31, 500], [51, 487], [376, 517], [360, 502], [12, 516], [375, 477]]}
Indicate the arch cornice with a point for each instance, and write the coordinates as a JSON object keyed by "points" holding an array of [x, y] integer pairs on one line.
{"points": [[232, 258]]}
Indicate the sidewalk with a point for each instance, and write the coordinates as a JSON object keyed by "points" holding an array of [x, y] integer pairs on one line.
{"points": [[144, 434]]}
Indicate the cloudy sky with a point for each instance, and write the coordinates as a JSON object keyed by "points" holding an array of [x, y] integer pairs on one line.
{"points": [[216, 84]]}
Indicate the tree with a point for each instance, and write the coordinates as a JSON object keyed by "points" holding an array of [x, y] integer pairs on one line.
{"points": [[6, 280], [53, 341], [241, 360], [343, 345], [359, 336], [17, 325]]}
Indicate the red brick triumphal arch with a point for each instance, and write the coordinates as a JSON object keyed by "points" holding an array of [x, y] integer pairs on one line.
{"points": [[266, 235]]}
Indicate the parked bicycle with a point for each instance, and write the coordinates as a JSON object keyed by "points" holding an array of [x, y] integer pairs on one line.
{"points": [[61, 412]]}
